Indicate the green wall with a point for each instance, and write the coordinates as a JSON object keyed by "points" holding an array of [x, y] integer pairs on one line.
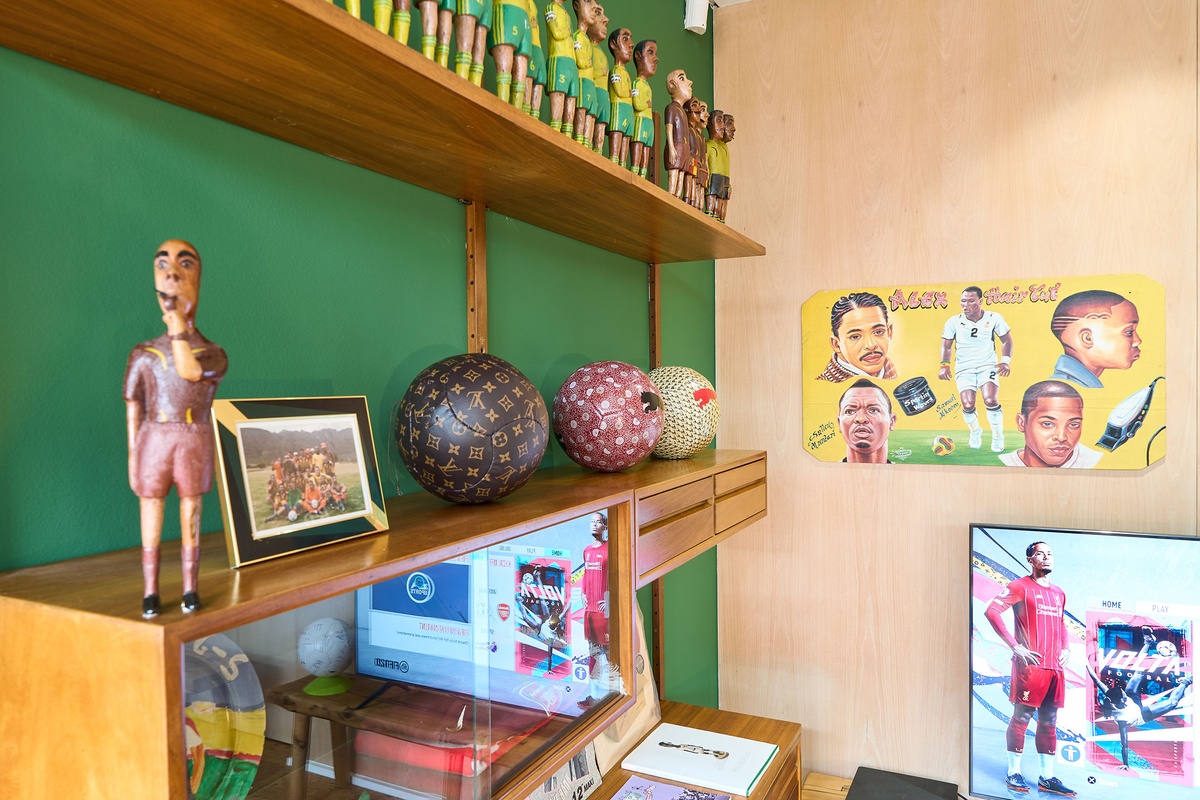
{"points": [[320, 278]]}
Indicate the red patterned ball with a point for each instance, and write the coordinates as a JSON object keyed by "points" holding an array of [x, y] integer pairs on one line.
{"points": [[608, 416], [472, 428]]}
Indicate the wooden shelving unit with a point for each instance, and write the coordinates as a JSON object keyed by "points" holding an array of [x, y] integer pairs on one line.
{"points": [[308, 73], [88, 676]]}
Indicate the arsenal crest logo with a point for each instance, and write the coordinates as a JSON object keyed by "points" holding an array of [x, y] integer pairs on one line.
{"points": [[502, 609]]}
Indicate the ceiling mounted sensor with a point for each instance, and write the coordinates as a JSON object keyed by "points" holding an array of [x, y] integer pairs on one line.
{"points": [[695, 15]]}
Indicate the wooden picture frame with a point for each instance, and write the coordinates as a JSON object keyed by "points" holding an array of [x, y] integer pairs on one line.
{"points": [[295, 473]]}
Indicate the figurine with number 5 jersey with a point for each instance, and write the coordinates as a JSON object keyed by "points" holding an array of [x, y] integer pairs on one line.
{"points": [[170, 382]]}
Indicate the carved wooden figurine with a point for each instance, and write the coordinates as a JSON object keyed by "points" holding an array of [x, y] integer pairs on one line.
{"points": [[598, 33], [472, 20], [620, 131], [353, 7], [169, 386], [677, 149], [645, 61], [535, 79], [718, 162], [511, 45], [562, 78], [691, 169], [394, 15], [585, 106], [727, 134], [700, 153]]}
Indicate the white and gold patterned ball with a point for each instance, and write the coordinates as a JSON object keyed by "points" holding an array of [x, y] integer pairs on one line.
{"points": [[690, 412]]}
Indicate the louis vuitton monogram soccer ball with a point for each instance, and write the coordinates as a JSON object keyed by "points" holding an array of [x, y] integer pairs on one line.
{"points": [[608, 416], [690, 411], [472, 428]]}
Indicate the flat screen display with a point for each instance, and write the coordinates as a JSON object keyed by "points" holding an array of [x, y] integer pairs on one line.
{"points": [[505, 624], [1082, 664]]}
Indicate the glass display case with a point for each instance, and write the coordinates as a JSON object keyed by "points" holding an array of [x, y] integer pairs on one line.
{"points": [[175, 706], [447, 681]]}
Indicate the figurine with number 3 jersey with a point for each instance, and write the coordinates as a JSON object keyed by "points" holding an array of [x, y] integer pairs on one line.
{"points": [[170, 382]]}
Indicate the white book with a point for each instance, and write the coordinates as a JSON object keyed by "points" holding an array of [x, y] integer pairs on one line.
{"points": [[713, 760]]}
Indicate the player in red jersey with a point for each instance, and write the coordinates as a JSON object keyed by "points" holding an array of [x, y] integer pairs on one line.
{"points": [[1040, 651], [595, 592]]}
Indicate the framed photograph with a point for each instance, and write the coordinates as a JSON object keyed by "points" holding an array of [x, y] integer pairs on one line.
{"points": [[295, 473]]}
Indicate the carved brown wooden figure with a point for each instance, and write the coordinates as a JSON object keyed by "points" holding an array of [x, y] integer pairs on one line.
{"points": [[169, 386], [437, 18], [645, 60], [511, 44], [727, 135], [620, 44], [562, 79], [700, 153], [585, 107], [677, 150], [598, 33], [535, 77], [717, 161], [472, 20], [394, 15]]}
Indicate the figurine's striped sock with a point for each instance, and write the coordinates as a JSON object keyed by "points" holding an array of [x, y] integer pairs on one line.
{"points": [[518, 97], [462, 65], [476, 75], [191, 567], [581, 139], [569, 129], [556, 125], [430, 48], [504, 86], [401, 22], [149, 571], [383, 15]]}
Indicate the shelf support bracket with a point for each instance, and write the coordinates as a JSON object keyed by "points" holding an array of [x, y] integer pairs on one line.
{"points": [[477, 320]]}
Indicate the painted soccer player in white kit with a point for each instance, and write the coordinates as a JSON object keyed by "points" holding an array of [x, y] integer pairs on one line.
{"points": [[975, 367]]}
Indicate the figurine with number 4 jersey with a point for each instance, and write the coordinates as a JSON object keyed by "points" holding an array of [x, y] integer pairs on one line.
{"points": [[170, 382]]}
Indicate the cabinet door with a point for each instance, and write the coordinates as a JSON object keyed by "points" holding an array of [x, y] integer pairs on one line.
{"points": [[465, 678]]}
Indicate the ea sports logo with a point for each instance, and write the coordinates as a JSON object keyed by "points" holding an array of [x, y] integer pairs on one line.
{"points": [[420, 587]]}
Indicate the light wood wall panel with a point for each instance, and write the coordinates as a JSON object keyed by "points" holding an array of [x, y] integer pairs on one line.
{"points": [[913, 141]]}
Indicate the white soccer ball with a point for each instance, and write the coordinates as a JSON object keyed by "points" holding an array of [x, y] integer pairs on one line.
{"points": [[325, 647], [1166, 648]]}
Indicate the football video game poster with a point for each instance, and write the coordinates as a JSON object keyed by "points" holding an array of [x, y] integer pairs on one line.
{"points": [[1043, 372], [1082, 663]]}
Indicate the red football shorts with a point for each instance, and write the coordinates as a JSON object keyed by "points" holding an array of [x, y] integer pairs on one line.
{"points": [[1037, 686], [595, 627]]}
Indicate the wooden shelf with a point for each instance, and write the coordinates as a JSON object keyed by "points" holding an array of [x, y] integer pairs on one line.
{"points": [[779, 782], [308, 73], [84, 657], [424, 530]]}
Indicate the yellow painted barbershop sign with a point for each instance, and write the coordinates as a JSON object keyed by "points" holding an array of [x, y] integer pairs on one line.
{"points": [[1062, 373]]}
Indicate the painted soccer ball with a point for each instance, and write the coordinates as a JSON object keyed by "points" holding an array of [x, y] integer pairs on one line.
{"points": [[1166, 649], [942, 446], [324, 648], [690, 411], [472, 428], [608, 416]]}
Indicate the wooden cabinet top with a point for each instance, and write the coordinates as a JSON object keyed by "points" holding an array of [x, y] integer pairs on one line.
{"points": [[308, 73], [423, 530]]}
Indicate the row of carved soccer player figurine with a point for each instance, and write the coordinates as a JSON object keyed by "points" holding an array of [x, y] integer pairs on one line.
{"points": [[573, 71]]}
